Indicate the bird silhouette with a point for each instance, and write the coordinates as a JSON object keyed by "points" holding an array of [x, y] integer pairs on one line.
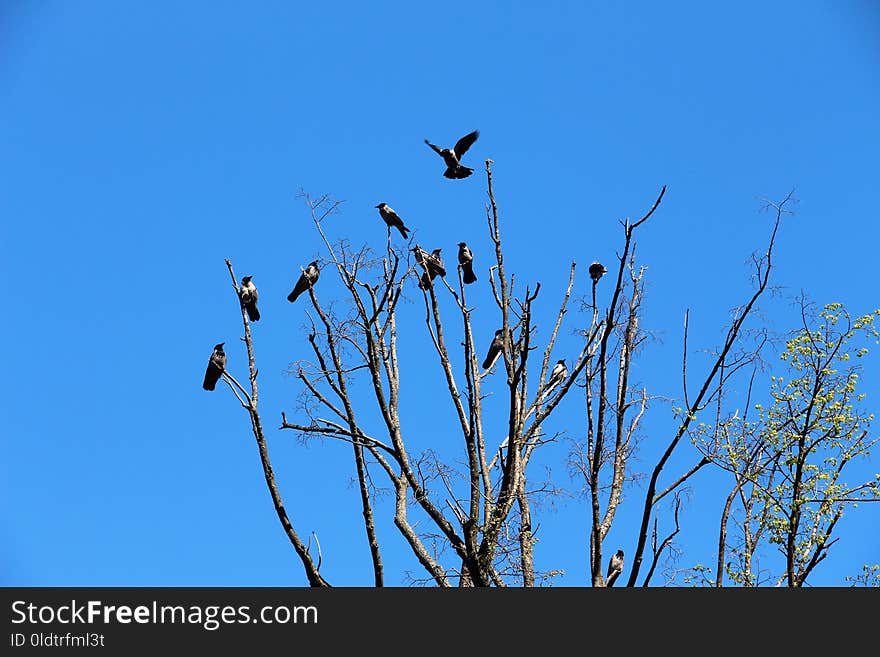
{"points": [[308, 278], [248, 295], [216, 365], [433, 264], [466, 260], [558, 374], [421, 255], [391, 218], [596, 270], [615, 567], [494, 349], [452, 156]]}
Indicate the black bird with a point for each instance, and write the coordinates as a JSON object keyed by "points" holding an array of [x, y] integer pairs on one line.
{"points": [[452, 156], [466, 260], [558, 374], [390, 217], [421, 255], [216, 365], [248, 295], [433, 264], [494, 349], [596, 270], [615, 567], [308, 278]]}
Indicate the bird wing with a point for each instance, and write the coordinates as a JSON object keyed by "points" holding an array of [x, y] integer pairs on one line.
{"points": [[301, 286], [419, 254], [436, 149], [216, 365], [491, 356], [463, 144], [437, 267], [494, 350], [212, 374], [615, 565]]}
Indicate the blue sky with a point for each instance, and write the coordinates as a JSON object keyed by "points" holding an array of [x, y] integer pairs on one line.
{"points": [[143, 143]]}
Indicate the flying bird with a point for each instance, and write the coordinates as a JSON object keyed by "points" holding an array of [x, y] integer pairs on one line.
{"points": [[466, 260], [390, 217], [433, 264], [216, 365], [558, 374], [452, 156], [308, 278], [494, 349], [248, 295], [596, 270], [615, 567]]}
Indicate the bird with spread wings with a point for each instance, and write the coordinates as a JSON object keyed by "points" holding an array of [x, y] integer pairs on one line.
{"points": [[452, 156]]}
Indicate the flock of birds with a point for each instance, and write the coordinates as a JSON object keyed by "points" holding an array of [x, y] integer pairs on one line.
{"points": [[432, 264]]}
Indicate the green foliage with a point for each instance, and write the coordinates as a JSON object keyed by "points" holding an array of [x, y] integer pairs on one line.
{"points": [[789, 463], [870, 576], [699, 576], [814, 427]]}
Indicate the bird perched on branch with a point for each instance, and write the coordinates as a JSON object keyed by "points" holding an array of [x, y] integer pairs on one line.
{"points": [[247, 294], [466, 260], [558, 374], [494, 349], [307, 279], [420, 255], [596, 270], [433, 264], [422, 258], [216, 365], [452, 156], [615, 567], [391, 218]]}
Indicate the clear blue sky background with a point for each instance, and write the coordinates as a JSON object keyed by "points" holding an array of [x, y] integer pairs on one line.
{"points": [[143, 143]]}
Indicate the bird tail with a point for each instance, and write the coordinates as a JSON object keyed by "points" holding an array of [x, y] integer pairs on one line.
{"points": [[253, 313], [458, 172], [293, 295], [468, 272], [550, 388], [210, 381], [404, 231]]}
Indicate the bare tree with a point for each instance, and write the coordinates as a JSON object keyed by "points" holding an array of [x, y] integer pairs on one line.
{"points": [[249, 402], [470, 520]]}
